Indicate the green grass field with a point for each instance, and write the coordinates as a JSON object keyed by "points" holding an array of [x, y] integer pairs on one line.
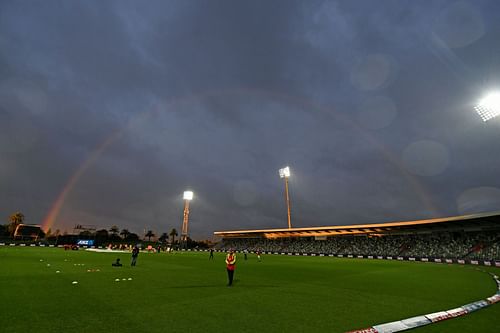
{"points": [[185, 292]]}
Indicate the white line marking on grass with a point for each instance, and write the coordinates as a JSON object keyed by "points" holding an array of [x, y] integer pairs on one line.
{"points": [[430, 318]]}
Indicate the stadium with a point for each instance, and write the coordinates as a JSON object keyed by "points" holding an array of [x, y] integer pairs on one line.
{"points": [[144, 147], [427, 276], [469, 238]]}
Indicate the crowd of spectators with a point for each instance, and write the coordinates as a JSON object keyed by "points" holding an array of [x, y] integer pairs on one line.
{"points": [[447, 245]]}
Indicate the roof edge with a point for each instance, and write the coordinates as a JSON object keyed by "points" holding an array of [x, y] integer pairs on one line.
{"points": [[372, 225]]}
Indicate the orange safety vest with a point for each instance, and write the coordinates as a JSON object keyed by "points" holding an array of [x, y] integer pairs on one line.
{"points": [[230, 261]]}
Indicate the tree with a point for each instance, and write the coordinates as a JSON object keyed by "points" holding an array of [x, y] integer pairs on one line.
{"points": [[85, 234], [163, 238], [103, 233], [149, 234], [173, 234], [132, 237], [42, 234], [3, 230], [14, 220], [114, 230], [124, 233], [101, 236]]}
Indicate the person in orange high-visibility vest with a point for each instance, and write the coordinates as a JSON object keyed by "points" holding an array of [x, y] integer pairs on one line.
{"points": [[230, 265]]}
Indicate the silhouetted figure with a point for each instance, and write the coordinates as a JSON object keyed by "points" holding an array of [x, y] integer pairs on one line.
{"points": [[135, 254], [117, 263]]}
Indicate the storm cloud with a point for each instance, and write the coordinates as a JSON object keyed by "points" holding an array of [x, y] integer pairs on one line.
{"points": [[117, 107]]}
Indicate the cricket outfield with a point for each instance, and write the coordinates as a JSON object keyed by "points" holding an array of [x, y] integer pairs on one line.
{"points": [[187, 292]]}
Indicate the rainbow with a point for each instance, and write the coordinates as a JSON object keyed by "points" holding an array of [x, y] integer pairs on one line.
{"points": [[55, 209], [51, 217]]}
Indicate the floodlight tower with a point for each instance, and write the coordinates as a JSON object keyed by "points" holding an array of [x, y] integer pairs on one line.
{"points": [[188, 196], [285, 173], [489, 107]]}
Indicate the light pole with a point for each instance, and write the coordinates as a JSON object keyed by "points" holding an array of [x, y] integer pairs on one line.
{"points": [[489, 107], [188, 196], [285, 173]]}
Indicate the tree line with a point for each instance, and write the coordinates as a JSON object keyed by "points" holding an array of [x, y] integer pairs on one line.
{"points": [[115, 235], [100, 237]]}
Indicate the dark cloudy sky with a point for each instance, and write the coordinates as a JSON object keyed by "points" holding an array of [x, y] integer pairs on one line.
{"points": [[116, 107]]}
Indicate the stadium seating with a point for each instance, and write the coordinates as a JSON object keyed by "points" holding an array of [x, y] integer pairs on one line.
{"points": [[446, 245]]}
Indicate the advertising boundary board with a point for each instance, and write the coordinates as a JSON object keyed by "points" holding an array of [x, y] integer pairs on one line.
{"points": [[410, 323]]}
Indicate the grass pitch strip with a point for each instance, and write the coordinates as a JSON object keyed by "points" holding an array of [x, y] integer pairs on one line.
{"points": [[187, 292]]}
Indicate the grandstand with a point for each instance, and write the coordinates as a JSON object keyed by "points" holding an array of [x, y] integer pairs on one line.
{"points": [[28, 232], [468, 237]]}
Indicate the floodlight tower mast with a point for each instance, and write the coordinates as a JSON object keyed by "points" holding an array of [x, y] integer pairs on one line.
{"points": [[188, 196], [285, 173]]}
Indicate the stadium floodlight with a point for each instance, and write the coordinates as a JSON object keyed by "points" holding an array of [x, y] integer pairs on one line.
{"points": [[489, 107], [188, 196], [285, 173]]}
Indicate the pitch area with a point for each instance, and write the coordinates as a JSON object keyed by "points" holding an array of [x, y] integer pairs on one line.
{"points": [[187, 292]]}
